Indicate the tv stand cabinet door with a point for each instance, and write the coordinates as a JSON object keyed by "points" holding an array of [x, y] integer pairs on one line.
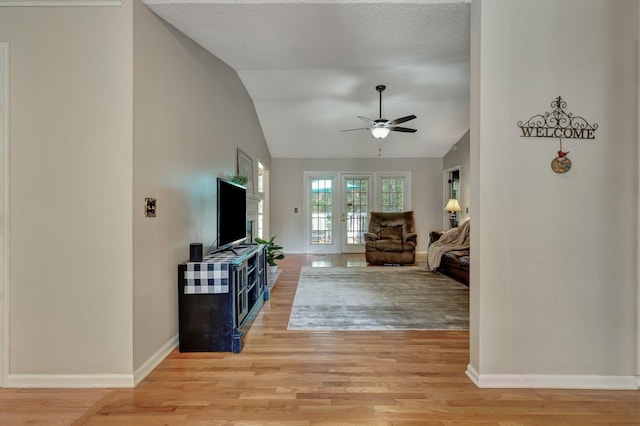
{"points": [[240, 286], [205, 321]]}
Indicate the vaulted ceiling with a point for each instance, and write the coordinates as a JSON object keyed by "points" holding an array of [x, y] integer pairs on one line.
{"points": [[311, 67]]}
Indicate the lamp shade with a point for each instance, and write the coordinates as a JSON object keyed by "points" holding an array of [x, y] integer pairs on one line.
{"points": [[453, 205], [379, 132]]}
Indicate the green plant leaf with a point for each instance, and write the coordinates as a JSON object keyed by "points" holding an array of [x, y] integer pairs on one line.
{"points": [[273, 250]]}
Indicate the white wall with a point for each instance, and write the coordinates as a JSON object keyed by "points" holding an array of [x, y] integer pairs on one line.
{"points": [[71, 230], [191, 114], [554, 290], [287, 187]]}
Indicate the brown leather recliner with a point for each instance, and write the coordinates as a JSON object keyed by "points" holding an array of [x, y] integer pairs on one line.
{"points": [[391, 239]]}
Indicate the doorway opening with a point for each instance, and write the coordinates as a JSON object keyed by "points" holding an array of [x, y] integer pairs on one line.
{"points": [[451, 180]]}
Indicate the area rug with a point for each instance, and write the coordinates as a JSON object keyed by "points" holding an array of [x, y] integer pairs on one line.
{"points": [[378, 298]]}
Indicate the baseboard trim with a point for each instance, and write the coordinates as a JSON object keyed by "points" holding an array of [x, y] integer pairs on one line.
{"points": [[473, 375], [548, 381], [155, 359], [93, 380], [70, 381]]}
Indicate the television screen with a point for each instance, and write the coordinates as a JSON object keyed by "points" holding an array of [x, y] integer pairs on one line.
{"points": [[232, 214]]}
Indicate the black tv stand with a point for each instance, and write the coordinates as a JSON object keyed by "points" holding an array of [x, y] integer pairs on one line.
{"points": [[220, 297]]}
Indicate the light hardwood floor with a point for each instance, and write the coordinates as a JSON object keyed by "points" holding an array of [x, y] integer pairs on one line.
{"points": [[306, 378]]}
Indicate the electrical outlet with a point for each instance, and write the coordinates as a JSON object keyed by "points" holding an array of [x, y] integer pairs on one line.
{"points": [[150, 207]]}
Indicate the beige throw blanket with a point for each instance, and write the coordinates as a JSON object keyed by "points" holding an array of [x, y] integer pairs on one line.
{"points": [[451, 240]]}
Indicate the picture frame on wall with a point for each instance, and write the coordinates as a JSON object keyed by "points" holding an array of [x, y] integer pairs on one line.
{"points": [[245, 168]]}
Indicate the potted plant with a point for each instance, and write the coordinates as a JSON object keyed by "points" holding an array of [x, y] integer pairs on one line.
{"points": [[273, 252], [240, 179]]}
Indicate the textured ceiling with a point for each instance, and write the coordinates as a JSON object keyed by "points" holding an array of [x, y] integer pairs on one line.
{"points": [[311, 68]]}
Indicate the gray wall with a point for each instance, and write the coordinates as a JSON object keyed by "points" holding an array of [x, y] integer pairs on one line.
{"points": [[191, 114], [70, 227], [554, 267], [109, 105], [287, 186]]}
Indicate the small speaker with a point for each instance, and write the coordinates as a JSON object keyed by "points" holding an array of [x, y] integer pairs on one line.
{"points": [[195, 252]]}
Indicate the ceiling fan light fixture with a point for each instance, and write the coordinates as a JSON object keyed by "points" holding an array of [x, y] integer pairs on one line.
{"points": [[381, 127], [380, 132]]}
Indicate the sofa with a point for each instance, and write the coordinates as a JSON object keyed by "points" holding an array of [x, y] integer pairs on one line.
{"points": [[391, 239], [452, 246]]}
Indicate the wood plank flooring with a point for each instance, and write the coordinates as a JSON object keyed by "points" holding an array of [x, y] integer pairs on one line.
{"points": [[319, 378]]}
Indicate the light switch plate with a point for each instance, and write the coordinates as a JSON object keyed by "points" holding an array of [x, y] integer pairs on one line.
{"points": [[150, 207]]}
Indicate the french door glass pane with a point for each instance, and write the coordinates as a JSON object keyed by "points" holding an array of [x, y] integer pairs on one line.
{"points": [[357, 209], [321, 207], [392, 195]]}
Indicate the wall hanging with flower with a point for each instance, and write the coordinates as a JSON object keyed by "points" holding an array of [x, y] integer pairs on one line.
{"points": [[558, 124]]}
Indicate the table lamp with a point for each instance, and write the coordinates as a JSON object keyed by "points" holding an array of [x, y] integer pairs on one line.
{"points": [[452, 207]]}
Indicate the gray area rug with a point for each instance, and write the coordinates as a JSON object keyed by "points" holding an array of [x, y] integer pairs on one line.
{"points": [[378, 298]]}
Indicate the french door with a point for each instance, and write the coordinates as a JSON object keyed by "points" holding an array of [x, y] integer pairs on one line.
{"points": [[337, 207], [357, 201], [321, 199]]}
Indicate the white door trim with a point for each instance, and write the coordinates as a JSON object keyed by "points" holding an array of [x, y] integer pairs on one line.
{"points": [[4, 213]]}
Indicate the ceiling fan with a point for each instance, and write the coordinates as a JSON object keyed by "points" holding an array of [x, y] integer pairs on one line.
{"points": [[381, 127]]}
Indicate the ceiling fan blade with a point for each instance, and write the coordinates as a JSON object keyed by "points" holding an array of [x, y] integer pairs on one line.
{"points": [[366, 120], [359, 128], [402, 119], [402, 129]]}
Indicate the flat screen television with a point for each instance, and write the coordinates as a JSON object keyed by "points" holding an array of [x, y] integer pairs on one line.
{"points": [[232, 214]]}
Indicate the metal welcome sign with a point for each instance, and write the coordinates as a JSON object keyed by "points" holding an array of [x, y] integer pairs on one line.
{"points": [[558, 124]]}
